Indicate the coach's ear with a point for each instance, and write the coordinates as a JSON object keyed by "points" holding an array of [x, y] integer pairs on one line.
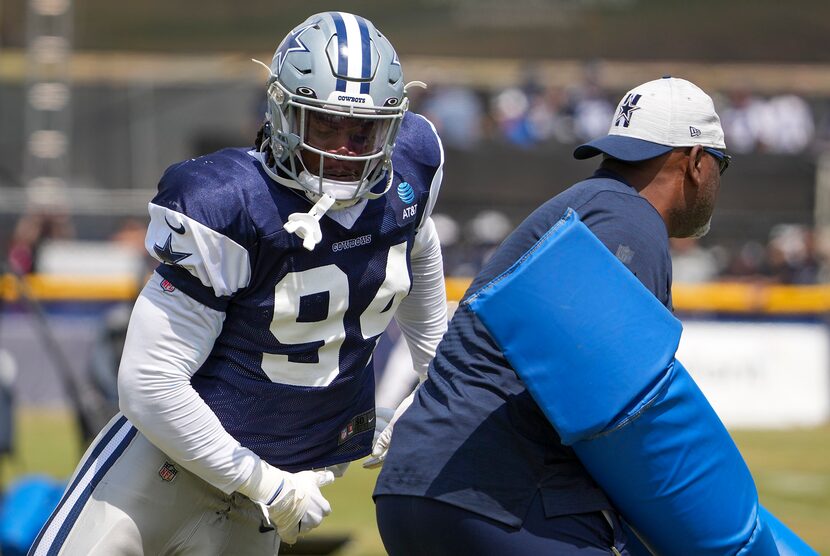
{"points": [[696, 166]]}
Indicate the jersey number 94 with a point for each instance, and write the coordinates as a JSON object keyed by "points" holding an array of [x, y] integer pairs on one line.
{"points": [[330, 333]]}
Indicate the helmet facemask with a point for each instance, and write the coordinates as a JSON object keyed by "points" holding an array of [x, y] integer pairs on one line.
{"points": [[329, 147], [334, 74], [336, 100]]}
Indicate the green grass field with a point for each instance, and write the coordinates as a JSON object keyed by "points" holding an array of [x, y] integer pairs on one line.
{"points": [[791, 469]]}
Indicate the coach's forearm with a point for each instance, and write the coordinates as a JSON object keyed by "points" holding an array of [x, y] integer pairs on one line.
{"points": [[169, 337]]}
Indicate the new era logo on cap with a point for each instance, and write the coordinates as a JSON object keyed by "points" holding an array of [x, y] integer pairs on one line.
{"points": [[654, 118]]}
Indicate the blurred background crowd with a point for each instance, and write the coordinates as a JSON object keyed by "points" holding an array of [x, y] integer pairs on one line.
{"points": [[535, 120], [533, 116], [98, 97], [96, 102]]}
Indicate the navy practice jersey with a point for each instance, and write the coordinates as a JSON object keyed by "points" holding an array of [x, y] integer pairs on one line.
{"points": [[290, 376], [473, 436]]}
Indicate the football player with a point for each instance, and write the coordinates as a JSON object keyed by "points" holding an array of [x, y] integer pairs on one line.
{"points": [[246, 381]]}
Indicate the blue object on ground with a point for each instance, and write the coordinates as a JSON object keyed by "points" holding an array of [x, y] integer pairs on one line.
{"points": [[27, 504]]}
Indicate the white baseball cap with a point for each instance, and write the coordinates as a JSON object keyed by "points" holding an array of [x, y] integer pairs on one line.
{"points": [[656, 117]]}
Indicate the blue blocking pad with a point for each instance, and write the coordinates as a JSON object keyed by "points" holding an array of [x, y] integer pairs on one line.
{"points": [[571, 319], [596, 351], [787, 542], [673, 471]]}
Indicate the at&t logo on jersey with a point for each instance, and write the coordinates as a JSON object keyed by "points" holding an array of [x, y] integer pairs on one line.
{"points": [[406, 193]]}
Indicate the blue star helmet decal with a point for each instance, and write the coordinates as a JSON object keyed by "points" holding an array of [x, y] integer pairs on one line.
{"points": [[167, 255], [291, 43], [628, 106]]}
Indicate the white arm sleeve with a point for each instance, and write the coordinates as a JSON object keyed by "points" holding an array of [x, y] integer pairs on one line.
{"points": [[169, 337], [422, 315]]}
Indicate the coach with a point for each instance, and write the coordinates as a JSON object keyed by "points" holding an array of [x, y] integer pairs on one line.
{"points": [[475, 466]]}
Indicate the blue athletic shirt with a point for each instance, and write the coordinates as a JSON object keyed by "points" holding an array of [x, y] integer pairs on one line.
{"points": [[473, 436], [290, 376]]}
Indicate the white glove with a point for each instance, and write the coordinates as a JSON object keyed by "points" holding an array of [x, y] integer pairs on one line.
{"points": [[291, 502], [381, 443], [383, 416]]}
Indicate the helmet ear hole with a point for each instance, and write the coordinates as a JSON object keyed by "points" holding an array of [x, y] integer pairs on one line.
{"points": [[306, 92]]}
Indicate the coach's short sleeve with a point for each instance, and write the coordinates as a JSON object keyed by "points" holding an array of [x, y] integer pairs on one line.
{"points": [[634, 232]]}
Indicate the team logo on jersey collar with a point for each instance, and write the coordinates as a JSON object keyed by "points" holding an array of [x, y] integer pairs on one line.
{"points": [[349, 243]]}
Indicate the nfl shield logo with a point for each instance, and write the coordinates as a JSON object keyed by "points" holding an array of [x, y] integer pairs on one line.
{"points": [[168, 472], [167, 286]]}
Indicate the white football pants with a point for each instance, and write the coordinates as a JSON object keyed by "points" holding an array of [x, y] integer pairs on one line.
{"points": [[127, 498]]}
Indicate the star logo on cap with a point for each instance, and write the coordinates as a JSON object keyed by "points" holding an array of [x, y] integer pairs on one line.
{"points": [[166, 254], [627, 108], [292, 43]]}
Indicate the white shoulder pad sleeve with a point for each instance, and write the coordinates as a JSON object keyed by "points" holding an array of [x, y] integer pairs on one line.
{"points": [[216, 260], [422, 315], [435, 187], [169, 337]]}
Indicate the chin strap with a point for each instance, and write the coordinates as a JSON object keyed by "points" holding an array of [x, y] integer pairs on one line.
{"points": [[389, 177], [307, 224]]}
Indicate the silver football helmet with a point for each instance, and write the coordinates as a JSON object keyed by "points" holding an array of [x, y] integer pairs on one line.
{"points": [[336, 99]]}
